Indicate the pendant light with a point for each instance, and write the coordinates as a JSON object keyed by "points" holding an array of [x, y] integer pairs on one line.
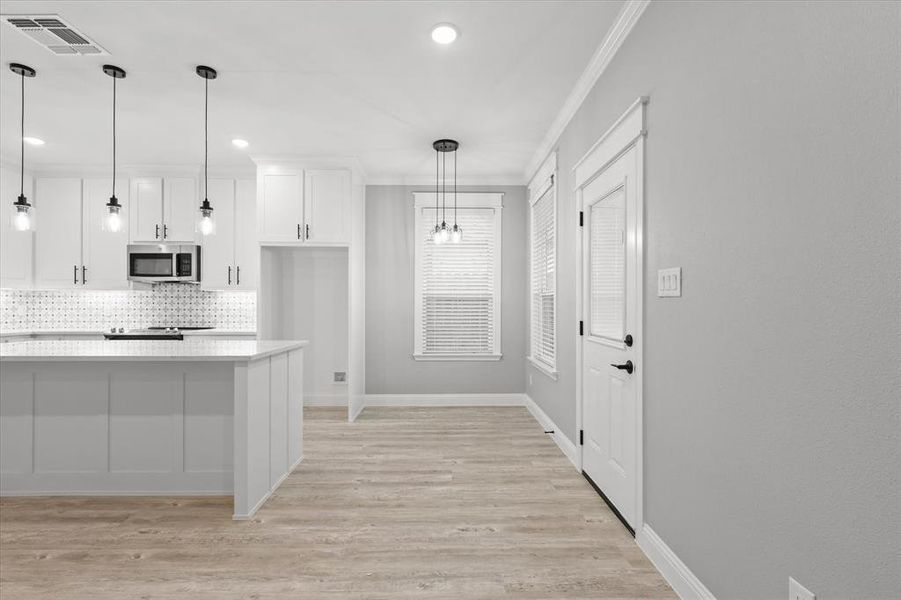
{"points": [[112, 220], [22, 214], [205, 224], [442, 233]]}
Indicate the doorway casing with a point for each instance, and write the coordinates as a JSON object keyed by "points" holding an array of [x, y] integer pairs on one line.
{"points": [[627, 132]]}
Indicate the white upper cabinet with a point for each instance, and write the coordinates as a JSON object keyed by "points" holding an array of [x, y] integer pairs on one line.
{"points": [[163, 210], [230, 256], [180, 206], [327, 206], [218, 252], [16, 247], [307, 207], [57, 235], [247, 250], [280, 207], [104, 252], [146, 209]]}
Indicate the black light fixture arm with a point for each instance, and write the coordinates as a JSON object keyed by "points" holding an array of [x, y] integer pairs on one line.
{"points": [[115, 73], [207, 73]]}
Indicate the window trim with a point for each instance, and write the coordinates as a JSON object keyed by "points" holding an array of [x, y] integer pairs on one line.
{"points": [[464, 200], [544, 181]]}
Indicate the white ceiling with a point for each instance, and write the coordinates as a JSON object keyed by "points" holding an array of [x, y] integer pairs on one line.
{"points": [[356, 79]]}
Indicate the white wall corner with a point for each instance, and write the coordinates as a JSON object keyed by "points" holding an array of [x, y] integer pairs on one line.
{"points": [[676, 573], [628, 17], [564, 443]]}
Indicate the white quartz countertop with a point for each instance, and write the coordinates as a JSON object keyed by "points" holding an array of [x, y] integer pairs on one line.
{"points": [[188, 332], [142, 350]]}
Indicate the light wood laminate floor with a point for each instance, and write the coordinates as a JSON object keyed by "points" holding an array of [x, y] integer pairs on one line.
{"points": [[451, 503]]}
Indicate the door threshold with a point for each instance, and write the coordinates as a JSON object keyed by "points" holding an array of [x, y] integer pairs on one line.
{"points": [[610, 504]]}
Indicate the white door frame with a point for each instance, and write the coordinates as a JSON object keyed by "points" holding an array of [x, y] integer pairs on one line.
{"points": [[628, 131]]}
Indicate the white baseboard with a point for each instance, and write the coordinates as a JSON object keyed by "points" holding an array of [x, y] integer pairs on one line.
{"points": [[325, 400], [444, 399], [568, 448], [676, 573]]}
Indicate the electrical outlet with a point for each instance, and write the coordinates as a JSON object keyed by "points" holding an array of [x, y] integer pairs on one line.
{"points": [[340, 376], [796, 591]]}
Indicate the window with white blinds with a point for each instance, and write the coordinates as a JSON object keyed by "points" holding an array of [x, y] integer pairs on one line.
{"points": [[544, 279], [457, 286]]}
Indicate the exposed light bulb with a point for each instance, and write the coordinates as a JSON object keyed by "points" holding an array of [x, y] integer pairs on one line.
{"points": [[456, 235], [22, 221], [113, 222], [206, 225], [444, 232]]}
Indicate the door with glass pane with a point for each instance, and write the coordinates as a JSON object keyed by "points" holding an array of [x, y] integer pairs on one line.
{"points": [[609, 357]]}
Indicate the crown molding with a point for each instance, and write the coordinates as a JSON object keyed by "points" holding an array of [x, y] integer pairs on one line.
{"points": [[625, 21], [312, 162], [428, 182]]}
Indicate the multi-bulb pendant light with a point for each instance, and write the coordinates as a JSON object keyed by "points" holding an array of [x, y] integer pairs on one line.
{"points": [[112, 220], [22, 217], [205, 223], [442, 233]]}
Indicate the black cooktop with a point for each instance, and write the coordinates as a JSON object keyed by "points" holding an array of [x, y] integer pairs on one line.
{"points": [[151, 333]]}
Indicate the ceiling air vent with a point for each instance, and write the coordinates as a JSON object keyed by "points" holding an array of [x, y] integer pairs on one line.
{"points": [[53, 33]]}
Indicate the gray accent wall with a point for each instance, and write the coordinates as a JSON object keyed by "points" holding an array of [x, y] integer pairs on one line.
{"points": [[772, 386], [390, 368]]}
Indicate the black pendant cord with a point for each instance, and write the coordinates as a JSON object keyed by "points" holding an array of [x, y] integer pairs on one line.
{"points": [[206, 138], [114, 139], [436, 187], [22, 158], [443, 187], [455, 188]]}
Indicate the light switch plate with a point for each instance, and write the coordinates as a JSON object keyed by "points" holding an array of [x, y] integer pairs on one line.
{"points": [[669, 283], [796, 591]]}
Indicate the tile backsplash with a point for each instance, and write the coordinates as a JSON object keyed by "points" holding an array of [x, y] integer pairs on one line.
{"points": [[163, 305]]}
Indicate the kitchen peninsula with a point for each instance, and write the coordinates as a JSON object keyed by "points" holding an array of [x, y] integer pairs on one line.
{"points": [[151, 418]]}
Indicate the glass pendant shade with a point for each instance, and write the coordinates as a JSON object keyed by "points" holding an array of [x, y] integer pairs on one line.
{"points": [[444, 232], [22, 215], [112, 219], [205, 223], [456, 234]]}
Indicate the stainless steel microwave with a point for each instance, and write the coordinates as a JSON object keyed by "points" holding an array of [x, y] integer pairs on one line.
{"points": [[161, 263]]}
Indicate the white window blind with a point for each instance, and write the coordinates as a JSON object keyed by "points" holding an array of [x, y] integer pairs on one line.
{"points": [[608, 266], [458, 285], [544, 279]]}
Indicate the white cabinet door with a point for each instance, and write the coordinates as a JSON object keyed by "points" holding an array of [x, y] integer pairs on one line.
{"points": [[16, 247], [57, 236], [247, 249], [218, 252], [180, 205], [280, 207], [327, 206], [104, 252], [146, 199]]}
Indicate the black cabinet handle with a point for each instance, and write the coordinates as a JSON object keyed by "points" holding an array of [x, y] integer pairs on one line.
{"points": [[308, 231], [298, 231], [628, 368], [165, 231], [229, 275], [237, 275], [84, 270], [157, 234], [75, 274]]}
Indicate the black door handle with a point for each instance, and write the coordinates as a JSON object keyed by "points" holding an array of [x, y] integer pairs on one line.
{"points": [[628, 340], [628, 367]]}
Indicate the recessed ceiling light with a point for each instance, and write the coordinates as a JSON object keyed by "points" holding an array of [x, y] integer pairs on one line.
{"points": [[444, 33], [239, 143], [33, 141]]}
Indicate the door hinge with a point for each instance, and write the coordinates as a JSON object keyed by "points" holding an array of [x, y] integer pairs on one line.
{"points": [[581, 437], [581, 218], [581, 327]]}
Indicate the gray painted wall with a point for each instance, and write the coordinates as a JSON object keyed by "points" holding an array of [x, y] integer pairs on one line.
{"points": [[772, 385], [390, 368]]}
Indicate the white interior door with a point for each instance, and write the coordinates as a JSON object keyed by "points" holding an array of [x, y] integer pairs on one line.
{"points": [[610, 361]]}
